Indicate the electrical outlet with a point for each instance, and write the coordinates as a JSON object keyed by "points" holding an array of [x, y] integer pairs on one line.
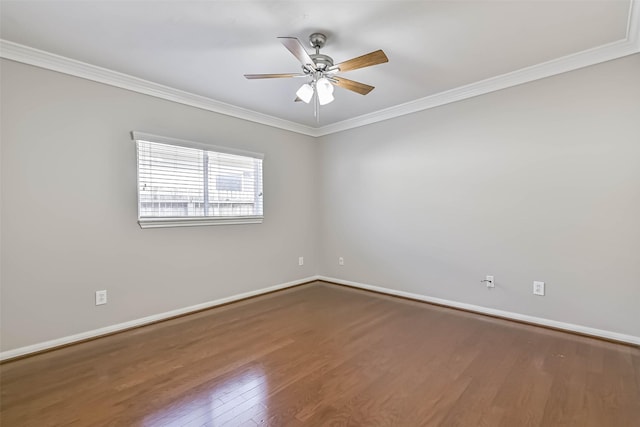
{"points": [[300, 260], [101, 297], [538, 288], [340, 261], [489, 281]]}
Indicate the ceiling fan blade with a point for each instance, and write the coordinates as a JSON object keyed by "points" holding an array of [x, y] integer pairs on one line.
{"points": [[273, 76], [357, 87], [372, 58], [297, 49]]}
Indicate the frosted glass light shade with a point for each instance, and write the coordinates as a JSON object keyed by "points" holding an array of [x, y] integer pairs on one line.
{"points": [[305, 93], [325, 91]]}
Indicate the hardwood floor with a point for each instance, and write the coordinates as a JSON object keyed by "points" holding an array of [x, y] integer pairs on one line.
{"points": [[323, 355]]}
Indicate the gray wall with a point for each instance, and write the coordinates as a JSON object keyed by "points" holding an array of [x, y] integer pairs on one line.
{"points": [[69, 210], [536, 182]]}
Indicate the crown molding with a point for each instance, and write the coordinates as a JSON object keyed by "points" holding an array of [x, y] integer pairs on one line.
{"points": [[572, 62], [39, 58], [607, 52], [597, 55], [633, 25]]}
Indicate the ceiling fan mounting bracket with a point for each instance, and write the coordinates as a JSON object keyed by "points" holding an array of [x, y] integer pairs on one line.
{"points": [[317, 40]]}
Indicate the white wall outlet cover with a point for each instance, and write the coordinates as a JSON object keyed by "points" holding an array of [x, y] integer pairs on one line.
{"points": [[301, 260], [538, 288], [101, 297], [341, 261]]}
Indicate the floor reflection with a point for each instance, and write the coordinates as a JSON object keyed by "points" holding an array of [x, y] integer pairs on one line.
{"points": [[233, 401]]}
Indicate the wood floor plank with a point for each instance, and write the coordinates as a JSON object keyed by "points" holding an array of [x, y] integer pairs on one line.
{"points": [[324, 355]]}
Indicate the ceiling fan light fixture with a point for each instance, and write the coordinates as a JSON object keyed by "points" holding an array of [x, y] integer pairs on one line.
{"points": [[305, 93], [325, 85], [325, 91], [325, 99], [321, 71]]}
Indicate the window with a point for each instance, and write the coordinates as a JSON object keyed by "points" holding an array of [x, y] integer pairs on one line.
{"points": [[183, 183]]}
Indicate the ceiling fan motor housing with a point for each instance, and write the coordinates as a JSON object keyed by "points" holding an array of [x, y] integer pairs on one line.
{"points": [[322, 61]]}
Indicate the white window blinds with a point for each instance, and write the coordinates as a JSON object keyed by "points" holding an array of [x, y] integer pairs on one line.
{"points": [[186, 183]]}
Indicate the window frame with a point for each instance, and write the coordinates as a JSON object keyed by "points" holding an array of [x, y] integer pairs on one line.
{"points": [[161, 222]]}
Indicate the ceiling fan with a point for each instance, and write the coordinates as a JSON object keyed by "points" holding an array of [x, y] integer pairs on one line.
{"points": [[321, 71]]}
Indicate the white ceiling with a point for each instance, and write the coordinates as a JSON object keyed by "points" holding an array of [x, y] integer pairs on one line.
{"points": [[205, 47]]}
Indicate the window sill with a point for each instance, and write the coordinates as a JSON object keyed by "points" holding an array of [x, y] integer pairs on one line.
{"points": [[194, 222]]}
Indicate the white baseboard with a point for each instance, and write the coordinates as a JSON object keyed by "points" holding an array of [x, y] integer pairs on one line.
{"points": [[585, 330], [34, 348]]}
